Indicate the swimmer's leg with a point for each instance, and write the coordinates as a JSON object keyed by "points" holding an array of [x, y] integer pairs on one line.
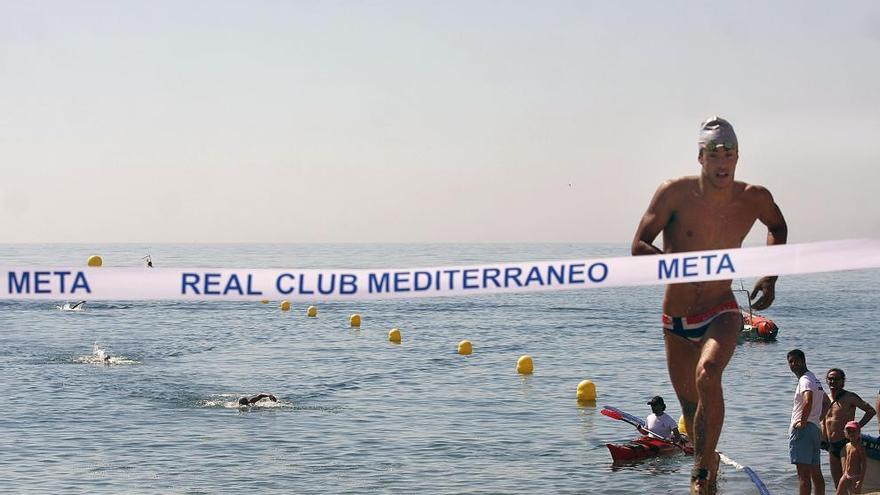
{"points": [[682, 356], [717, 349]]}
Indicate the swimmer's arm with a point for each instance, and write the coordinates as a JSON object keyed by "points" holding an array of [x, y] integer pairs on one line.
{"points": [[260, 397], [770, 215], [777, 233], [653, 222]]}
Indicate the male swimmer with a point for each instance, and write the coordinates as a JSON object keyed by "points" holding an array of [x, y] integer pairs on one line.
{"points": [[701, 320]]}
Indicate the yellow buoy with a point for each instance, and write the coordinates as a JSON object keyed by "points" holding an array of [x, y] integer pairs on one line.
{"points": [[681, 426], [95, 260], [465, 347], [355, 320], [394, 335], [524, 365], [285, 305], [264, 301], [312, 312], [586, 391]]}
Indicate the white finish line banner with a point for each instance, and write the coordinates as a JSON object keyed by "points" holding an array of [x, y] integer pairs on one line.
{"points": [[210, 284]]}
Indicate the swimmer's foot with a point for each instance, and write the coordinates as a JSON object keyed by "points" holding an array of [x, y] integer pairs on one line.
{"points": [[704, 480], [699, 481]]}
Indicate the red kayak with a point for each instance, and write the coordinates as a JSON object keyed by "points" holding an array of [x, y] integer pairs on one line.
{"points": [[644, 447]]}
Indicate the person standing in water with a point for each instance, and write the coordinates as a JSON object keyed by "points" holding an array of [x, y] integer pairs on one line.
{"points": [[701, 320], [804, 434], [842, 405], [855, 464]]}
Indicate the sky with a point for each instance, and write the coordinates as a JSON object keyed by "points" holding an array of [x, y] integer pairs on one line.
{"points": [[418, 121]]}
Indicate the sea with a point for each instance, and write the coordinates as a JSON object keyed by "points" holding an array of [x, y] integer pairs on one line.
{"points": [[140, 397]]}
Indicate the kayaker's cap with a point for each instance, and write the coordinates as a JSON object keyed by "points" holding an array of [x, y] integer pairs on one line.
{"points": [[853, 425], [657, 401], [715, 133]]}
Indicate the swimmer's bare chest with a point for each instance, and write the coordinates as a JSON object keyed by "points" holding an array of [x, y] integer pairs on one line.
{"points": [[697, 225]]}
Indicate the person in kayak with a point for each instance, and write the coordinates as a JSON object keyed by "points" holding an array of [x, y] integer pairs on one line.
{"points": [[659, 423], [701, 320], [841, 406]]}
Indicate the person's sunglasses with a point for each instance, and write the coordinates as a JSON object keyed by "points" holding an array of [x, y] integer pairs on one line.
{"points": [[835, 379]]}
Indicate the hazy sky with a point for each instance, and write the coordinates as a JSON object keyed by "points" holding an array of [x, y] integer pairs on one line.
{"points": [[399, 121]]}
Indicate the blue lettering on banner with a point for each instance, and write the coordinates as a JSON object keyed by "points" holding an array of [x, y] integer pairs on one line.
{"points": [[286, 289], [401, 281], [493, 277], [302, 287], [378, 285], [726, 264], [558, 275], [80, 282], [190, 280], [595, 278], [211, 280], [535, 276], [17, 285], [689, 267], [512, 273], [210, 284], [233, 284], [453, 279], [326, 290], [46, 282], [451, 274], [348, 284], [470, 277], [327, 284], [693, 266], [421, 281], [41, 279]]}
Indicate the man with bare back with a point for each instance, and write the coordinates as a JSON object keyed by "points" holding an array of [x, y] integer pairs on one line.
{"points": [[701, 320]]}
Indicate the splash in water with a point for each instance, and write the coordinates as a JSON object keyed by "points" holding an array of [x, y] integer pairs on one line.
{"points": [[100, 355], [230, 401], [77, 306]]}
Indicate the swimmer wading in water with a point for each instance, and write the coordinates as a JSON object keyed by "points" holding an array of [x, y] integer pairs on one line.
{"points": [[701, 320]]}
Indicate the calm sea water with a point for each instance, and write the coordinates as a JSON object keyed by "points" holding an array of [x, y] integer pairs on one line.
{"points": [[358, 414]]}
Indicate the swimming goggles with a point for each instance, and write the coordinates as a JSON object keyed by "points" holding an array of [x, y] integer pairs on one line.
{"points": [[714, 146]]}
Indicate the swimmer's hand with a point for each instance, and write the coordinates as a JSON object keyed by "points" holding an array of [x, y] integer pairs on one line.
{"points": [[273, 398], [767, 287]]}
